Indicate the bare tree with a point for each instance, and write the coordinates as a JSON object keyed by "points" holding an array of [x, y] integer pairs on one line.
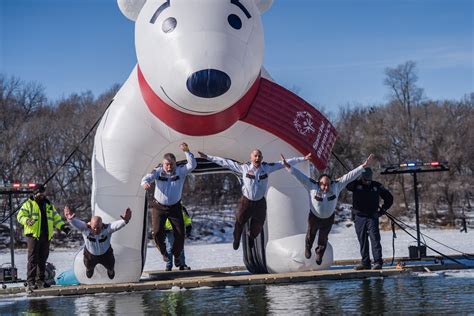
{"points": [[443, 133]]}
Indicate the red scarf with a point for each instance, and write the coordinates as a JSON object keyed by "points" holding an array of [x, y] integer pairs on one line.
{"points": [[266, 105]]}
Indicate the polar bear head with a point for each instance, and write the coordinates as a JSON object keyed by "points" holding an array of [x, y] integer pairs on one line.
{"points": [[198, 56]]}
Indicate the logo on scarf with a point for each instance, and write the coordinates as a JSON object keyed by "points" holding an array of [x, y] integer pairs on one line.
{"points": [[303, 123]]}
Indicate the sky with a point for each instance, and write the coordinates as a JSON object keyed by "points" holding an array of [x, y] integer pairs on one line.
{"points": [[331, 52]]}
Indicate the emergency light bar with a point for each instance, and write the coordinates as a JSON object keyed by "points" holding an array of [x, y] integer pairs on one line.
{"points": [[17, 187], [415, 166]]}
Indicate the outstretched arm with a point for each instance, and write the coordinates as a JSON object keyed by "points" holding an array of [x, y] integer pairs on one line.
{"points": [[285, 163], [202, 155], [368, 161], [71, 218], [292, 161], [232, 165], [301, 177], [68, 213], [189, 157], [353, 174], [126, 216]]}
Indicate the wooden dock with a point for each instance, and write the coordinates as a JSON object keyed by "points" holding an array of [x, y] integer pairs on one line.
{"points": [[229, 276]]}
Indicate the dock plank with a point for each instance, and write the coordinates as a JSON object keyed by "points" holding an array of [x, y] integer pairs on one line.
{"points": [[161, 280]]}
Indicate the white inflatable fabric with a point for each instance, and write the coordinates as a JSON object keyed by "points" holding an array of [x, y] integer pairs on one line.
{"points": [[199, 57], [286, 254]]}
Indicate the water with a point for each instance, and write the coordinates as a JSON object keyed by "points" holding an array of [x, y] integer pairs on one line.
{"points": [[450, 292]]}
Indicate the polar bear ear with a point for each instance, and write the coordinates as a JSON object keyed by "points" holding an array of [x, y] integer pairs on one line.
{"points": [[131, 8], [263, 5]]}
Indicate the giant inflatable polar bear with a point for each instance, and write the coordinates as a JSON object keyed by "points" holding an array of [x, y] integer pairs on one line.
{"points": [[199, 79]]}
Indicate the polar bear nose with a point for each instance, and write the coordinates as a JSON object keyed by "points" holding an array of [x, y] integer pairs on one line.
{"points": [[208, 83]]}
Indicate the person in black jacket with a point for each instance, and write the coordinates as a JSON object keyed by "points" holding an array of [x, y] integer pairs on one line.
{"points": [[366, 211]]}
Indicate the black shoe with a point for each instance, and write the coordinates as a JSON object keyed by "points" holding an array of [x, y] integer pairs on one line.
{"points": [[89, 273], [319, 254], [307, 252], [236, 244], [185, 267], [111, 273], [319, 259], [377, 266], [168, 268], [362, 266]]}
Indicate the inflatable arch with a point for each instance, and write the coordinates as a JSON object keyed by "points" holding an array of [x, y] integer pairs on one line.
{"points": [[199, 79]]}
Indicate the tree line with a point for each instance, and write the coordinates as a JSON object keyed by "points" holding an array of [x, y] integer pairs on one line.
{"points": [[410, 128], [37, 135]]}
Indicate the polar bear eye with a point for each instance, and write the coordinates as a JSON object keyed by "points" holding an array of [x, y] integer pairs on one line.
{"points": [[234, 21], [169, 25]]}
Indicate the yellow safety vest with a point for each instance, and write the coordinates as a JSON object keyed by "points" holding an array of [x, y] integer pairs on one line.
{"points": [[187, 221], [31, 210]]}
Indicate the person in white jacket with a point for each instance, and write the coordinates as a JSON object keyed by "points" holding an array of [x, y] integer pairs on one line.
{"points": [[253, 205], [97, 248], [323, 195], [169, 180]]}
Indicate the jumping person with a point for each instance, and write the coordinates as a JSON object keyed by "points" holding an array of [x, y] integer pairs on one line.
{"points": [[39, 218], [253, 205], [97, 248], [366, 211], [169, 239], [324, 194], [169, 181]]}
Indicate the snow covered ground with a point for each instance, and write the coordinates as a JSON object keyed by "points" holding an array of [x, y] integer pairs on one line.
{"points": [[210, 255]]}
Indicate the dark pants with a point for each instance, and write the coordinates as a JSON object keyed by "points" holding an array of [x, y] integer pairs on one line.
{"points": [[169, 246], [255, 211], [323, 225], [107, 259], [38, 253], [368, 227], [158, 218]]}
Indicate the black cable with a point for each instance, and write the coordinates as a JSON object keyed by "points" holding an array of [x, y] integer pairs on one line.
{"points": [[65, 161], [465, 255], [436, 241], [80, 143], [390, 216], [339, 160], [394, 235]]}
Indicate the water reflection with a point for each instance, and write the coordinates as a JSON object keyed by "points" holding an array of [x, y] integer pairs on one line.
{"points": [[100, 304], [229, 300], [372, 296], [402, 295], [169, 303], [36, 306]]}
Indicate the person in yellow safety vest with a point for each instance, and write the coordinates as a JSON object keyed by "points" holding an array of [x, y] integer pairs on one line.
{"points": [[169, 239], [39, 218]]}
